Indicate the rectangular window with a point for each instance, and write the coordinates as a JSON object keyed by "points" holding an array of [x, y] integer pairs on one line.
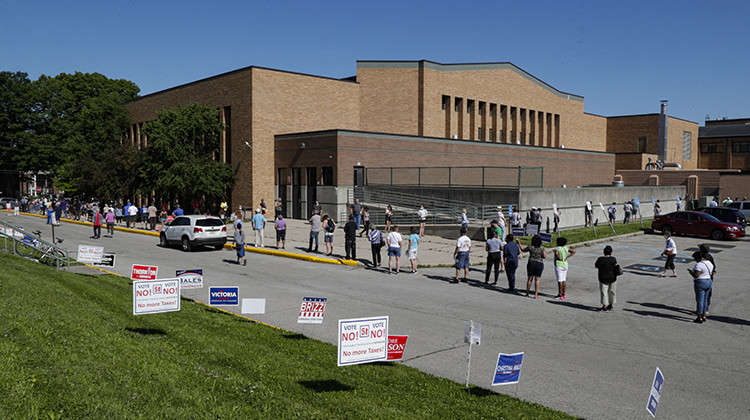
{"points": [[481, 108], [641, 144], [469, 106], [741, 147], [492, 109], [446, 102], [479, 133], [492, 135], [327, 175], [687, 140], [457, 104], [711, 148]]}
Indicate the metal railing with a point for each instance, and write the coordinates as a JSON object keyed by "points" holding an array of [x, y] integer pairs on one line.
{"points": [[405, 207], [16, 240], [457, 176]]}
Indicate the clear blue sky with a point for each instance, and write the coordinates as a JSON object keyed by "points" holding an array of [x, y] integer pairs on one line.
{"points": [[623, 56]]}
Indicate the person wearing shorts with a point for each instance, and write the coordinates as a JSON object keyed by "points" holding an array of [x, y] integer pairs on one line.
{"points": [[535, 266], [394, 249], [562, 253], [411, 253], [461, 254], [280, 231]]}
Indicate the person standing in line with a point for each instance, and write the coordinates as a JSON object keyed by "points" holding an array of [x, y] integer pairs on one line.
{"points": [[588, 214], [515, 219], [110, 218], [511, 250], [366, 221], [315, 225], [329, 227], [388, 218], [422, 214], [657, 208], [280, 226], [394, 240], [464, 219], [496, 229], [118, 214], [239, 243], [58, 213], [713, 202], [702, 283], [356, 210], [376, 244], [501, 223], [96, 221], [556, 219], [535, 266], [278, 208], [607, 273], [628, 209], [152, 216], [705, 249], [133, 215], [317, 208], [411, 252], [263, 206], [144, 215], [350, 238], [612, 210], [259, 224], [461, 254], [63, 206], [494, 247], [562, 253], [670, 250], [636, 211]]}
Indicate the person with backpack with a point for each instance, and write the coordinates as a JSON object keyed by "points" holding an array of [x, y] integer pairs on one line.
{"points": [[329, 227]]}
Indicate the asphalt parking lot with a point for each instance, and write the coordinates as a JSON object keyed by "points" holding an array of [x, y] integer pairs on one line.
{"points": [[587, 363]]}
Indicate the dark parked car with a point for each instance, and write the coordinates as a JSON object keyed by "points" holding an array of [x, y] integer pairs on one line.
{"points": [[696, 223], [725, 214]]}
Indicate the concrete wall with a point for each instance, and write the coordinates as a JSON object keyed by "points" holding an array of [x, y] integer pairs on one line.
{"points": [[571, 201]]}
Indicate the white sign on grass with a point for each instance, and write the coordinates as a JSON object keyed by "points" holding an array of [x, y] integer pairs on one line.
{"points": [[253, 306], [90, 254], [363, 340], [155, 296]]}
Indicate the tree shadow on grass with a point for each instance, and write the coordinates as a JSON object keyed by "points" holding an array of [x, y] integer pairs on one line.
{"points": [[326, 385], [480, 392], [294, 336]]}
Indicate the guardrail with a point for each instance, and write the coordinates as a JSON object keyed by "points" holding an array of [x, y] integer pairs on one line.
{"points": [[20, 242]]}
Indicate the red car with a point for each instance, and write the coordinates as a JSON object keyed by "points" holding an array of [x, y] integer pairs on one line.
{"points": [[696, 223]]}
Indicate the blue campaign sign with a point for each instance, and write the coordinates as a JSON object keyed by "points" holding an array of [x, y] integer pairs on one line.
{"points": [[519, 232], [546, 237], [655, 395], [224, 295], [637, 201], [510, 210], [508, 369]]}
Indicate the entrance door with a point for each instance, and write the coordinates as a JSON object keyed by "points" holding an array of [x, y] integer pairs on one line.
{"points": [[359, 182], [297, 193], [282, 190], [312, 191]]}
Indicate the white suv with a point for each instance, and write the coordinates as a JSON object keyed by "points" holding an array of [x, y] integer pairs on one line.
{"points": [[193, 230]]}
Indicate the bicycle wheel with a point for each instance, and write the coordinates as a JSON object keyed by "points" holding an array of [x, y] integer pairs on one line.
{"points": [[24, 249], [53, 258]]}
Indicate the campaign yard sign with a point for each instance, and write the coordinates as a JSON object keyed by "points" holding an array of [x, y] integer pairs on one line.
{"points": [[108, 260], [223, 295], [655, 395], [519, 232], [508, 370], [363, 340], [312, 310], [532, 229], [190, 279], [89, 254], [396, 346], [144, 272], [253, 306], [155, 296], [546, 237]]}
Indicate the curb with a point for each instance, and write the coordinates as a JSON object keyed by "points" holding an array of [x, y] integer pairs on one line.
{"points": [[273, 252]]}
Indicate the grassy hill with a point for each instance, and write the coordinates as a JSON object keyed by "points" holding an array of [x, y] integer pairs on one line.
{"points": [[71, 348]]}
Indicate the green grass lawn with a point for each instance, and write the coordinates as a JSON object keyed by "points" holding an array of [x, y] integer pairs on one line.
{"points": [[71, 348], [585, 234]]}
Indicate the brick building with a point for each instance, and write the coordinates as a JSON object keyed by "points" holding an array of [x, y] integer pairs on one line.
{"points": [[314, 131], [725, 144]]}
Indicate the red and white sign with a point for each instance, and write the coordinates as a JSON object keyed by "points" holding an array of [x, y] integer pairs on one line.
{"points": [[144, 272], [396, 346], [362, 340], [150, 297], [90, 254], [312, 310]]}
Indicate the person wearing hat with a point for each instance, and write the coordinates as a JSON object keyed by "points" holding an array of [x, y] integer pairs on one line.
{"points": [[280, 231], [500, 222], [177, 211], [259, 224]]}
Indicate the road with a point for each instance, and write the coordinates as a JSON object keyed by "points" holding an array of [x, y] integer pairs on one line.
{"points": [[577, 360]]}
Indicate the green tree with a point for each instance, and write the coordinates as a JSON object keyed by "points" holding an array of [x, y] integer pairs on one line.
{"points": [[181, 160], [17, 122]]}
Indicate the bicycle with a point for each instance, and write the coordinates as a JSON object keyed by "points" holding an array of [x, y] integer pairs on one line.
{"points": [[48, 254]]}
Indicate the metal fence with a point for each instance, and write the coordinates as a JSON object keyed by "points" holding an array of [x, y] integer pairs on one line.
{"points": [[457, 176]]}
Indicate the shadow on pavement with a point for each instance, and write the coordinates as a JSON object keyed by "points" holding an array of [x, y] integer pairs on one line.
{"points": [[573, 305]]}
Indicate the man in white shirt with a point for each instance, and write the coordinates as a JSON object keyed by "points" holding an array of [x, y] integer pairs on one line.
{"points": [[422, 213], [394, 249], [461, 254]]}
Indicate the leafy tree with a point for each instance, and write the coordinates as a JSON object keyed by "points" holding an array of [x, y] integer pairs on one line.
{"points": [[17, 119], [181, 158]]}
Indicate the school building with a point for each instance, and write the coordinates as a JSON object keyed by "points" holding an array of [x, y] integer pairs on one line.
{"points": [[307, 138]]}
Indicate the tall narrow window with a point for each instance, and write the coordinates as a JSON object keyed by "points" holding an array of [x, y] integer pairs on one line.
{"points": [[687, 140], [446, 102], [641, 144]]}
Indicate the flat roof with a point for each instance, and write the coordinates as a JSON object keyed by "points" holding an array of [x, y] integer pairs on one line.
{"points": [[720, 131]]}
